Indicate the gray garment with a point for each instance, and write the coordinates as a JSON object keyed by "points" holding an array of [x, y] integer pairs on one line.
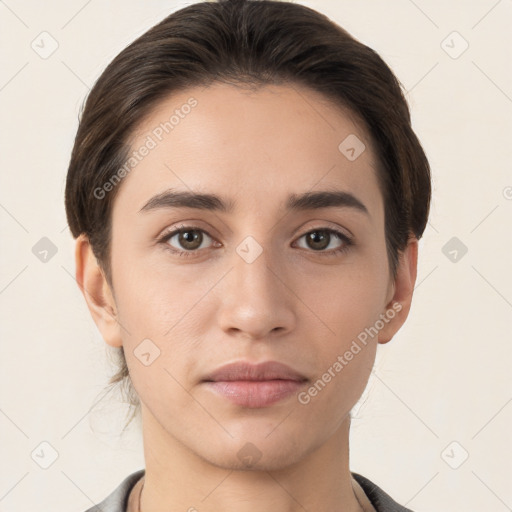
{"points": [[118, 499]]}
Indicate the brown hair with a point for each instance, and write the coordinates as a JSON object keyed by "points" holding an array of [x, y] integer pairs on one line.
{"points": [[244, 42]]}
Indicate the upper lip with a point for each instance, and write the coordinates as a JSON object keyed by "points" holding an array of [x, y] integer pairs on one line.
{"points": [[268, 370]]}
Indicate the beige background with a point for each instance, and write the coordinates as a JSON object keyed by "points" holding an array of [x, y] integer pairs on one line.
{"points": [[440, 390]]}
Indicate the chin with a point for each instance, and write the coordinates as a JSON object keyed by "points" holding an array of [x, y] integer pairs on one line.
{"points": [[256, 452], [265, 463]]}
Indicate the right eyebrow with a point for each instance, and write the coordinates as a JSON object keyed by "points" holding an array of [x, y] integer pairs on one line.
{"points": [[185, 199]]}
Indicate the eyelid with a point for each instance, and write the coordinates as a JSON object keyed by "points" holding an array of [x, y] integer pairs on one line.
{"points": [[338, 232], [184, 226], [326, 225], [346, 241], [167, 234]]}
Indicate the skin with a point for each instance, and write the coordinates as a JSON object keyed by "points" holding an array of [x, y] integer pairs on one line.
{"points": [[293, 304]]}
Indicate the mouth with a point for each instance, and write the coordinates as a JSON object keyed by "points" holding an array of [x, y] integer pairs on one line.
{"points": [[254, 386]]}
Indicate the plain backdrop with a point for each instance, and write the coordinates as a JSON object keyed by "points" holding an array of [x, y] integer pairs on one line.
{"points": [[433, 427]]}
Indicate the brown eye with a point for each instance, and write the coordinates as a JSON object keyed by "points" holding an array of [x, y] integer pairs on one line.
{"points": [[186, 239], [190, 240], [320, 239]]}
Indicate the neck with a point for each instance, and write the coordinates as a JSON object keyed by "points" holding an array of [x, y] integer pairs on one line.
{"points": [[178, 479]]}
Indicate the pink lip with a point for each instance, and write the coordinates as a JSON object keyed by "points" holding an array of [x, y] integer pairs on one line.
{"points": [[259, 385]]}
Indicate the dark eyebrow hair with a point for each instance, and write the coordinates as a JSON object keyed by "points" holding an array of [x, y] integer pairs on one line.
{"points": [[307, 201]]}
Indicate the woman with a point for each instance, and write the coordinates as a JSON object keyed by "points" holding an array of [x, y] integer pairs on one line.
{"points": [[247, 196]]}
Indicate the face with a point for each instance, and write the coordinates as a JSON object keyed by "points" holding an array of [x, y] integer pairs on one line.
{"points": [[264, 278]]}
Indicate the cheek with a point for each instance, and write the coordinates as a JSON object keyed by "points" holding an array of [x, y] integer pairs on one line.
{"points": [[152, 297], [345, 345], [164, 317], [347, 304], [345, 300], [339, 385]]}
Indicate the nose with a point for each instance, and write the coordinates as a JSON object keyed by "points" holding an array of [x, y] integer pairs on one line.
{"points": [[256, 299]]}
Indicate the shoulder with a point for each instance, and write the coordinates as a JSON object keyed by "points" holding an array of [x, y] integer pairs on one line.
{"points": [[117, 500], [381, 501]]}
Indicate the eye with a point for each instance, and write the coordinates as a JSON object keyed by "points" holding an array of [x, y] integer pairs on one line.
{"points": [[320, 239], [188, 239]]}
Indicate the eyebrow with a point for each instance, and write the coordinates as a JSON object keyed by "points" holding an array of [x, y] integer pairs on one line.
{"points": [[295, 202]]}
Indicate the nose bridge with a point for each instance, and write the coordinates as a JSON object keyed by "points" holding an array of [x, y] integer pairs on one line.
{"points": [[257, 300], [252, 261]]}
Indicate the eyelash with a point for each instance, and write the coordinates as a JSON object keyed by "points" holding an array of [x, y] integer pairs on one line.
{"points": [[347, 242]]}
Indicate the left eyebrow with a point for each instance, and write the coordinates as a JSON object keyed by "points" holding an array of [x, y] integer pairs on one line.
{"points": [[296, 202], [325, 199]]}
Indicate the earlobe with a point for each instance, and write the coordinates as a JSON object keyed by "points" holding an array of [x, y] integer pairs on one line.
{"points": [[397, 309], [96, 291]]}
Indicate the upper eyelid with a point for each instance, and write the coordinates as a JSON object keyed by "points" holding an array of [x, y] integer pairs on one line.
{"points": [[167, 235]]}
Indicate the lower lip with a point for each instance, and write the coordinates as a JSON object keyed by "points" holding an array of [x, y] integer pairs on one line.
{"points": [[255, 393]]}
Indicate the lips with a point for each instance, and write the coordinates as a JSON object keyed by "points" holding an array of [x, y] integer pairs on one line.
{"points": [[255, 385], [269, 370]]}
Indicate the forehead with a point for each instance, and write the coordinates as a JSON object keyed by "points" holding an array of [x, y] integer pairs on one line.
{"points": [[251, 145]]}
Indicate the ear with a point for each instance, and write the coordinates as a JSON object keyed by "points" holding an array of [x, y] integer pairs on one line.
{"points": [[96, 291], [399, 304]]}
